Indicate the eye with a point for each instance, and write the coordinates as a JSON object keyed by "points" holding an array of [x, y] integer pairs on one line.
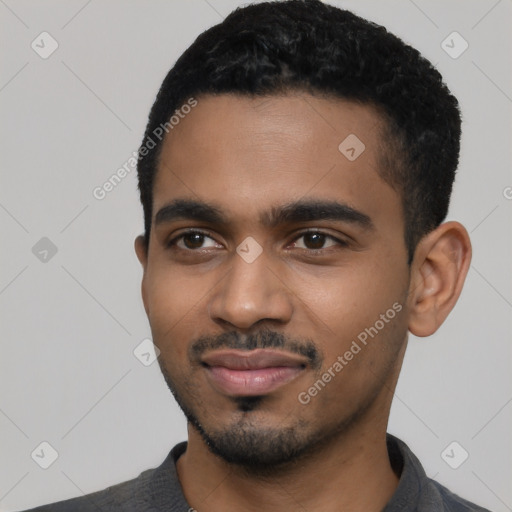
{"points": [[316, 240], [191, 240], [311, 241]]}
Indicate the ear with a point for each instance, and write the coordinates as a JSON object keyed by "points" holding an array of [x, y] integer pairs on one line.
{"points": [[439, 268], [141, 251]]}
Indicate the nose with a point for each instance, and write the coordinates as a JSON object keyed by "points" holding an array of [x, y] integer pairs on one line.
{"points": [[250, 293]]}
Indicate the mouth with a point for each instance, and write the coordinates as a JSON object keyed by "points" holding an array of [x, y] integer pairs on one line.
{"points": [[253, 373]]}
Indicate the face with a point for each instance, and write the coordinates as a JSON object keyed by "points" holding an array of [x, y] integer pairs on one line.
{"points": [[276, 275]]}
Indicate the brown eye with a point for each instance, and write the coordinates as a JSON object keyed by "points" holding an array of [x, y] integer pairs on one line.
{"points": [[192, 240], [315, 240]]}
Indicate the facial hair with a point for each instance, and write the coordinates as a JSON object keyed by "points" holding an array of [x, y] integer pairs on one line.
{"points": [[246, 443]]}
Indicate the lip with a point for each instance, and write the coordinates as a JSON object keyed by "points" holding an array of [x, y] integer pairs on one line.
{"points": [[257, 372]]}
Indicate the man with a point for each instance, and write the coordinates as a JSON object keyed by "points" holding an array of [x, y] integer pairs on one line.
{"points": [[295, 173]]}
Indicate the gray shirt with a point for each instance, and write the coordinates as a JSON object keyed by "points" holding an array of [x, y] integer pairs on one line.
{"points": [[159, 490]]}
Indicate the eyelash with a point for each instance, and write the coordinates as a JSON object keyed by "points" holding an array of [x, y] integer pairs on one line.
{"points": [[340, 243]]}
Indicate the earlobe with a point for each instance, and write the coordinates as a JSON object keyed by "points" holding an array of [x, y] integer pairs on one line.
{"points": [[440, 267]]}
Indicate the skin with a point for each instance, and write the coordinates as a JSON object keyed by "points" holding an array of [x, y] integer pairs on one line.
{"points": [[247, 156]]}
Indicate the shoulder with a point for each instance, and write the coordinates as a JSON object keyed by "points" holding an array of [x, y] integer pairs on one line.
{"points": [[153, 490], [126, 496], [416, 491], [451, 502]]}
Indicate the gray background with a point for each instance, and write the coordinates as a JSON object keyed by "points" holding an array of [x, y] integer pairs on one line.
{"points": [[68, 374]]}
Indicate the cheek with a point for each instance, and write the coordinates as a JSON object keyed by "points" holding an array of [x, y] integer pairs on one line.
{"points": [[348, 299], [172, 304], [346, 307], [360, 347]]}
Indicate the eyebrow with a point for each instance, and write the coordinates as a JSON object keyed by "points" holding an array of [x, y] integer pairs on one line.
{"points": [[294, 212]]}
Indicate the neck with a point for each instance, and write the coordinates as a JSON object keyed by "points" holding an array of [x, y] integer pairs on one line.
{"points": [[351, 472]]}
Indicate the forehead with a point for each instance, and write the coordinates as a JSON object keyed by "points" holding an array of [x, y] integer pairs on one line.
{"points": [[248, 154]]}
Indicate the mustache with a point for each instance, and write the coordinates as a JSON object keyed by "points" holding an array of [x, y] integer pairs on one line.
{"points": [[261, 339]]}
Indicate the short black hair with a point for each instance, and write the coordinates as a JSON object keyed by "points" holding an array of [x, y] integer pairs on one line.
{"points": [[305, 45]]}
